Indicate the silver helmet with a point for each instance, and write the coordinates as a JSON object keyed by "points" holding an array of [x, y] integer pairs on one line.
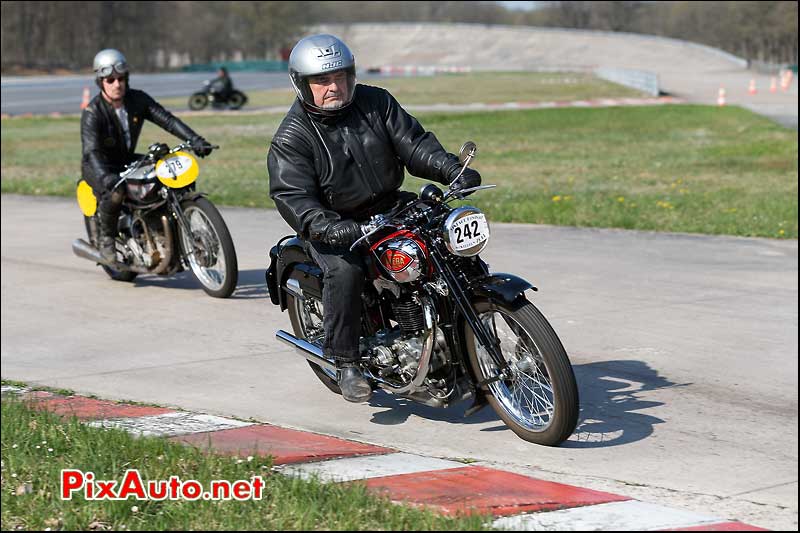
{"points": [[107, 61], [321, 54]]}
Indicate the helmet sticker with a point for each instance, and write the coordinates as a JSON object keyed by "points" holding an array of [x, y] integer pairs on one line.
{"points": [[329, 52], [328, 66]]}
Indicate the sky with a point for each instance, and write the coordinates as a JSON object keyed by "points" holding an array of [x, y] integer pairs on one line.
{"points": [[518, 5]]}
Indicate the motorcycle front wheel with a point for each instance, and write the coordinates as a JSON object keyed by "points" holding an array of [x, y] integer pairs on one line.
{"points": [[213, 260], [198, 101], [236, 100], [306, 318], [92, 232], [538, 397]]}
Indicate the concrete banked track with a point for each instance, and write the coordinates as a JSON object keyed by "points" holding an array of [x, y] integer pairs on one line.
{"points": [[687, 70]]}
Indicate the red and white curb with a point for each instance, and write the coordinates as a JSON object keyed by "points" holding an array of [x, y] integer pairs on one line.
{"points": [[502, 106], [517, 502]]}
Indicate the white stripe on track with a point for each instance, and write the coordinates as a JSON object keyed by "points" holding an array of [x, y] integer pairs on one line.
{"points": [[171, 424], [10, 389], [353, 468], [615, 516]]}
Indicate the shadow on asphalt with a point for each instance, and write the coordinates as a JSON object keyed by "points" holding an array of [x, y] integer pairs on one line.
{"points": [[610, 406], [251, 283], [612, 398]]}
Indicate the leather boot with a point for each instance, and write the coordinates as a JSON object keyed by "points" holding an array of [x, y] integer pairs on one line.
{"points": [[355, 388], [107, 229]]}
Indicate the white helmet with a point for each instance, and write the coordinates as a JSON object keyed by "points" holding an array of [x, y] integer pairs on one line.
{"points": [[321, 54]]}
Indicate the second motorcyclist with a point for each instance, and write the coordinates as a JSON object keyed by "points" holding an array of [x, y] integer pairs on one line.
{"points": [[110, 128]]}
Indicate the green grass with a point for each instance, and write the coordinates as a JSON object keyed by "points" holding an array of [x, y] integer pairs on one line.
{"points": [[37, 445], [484, 87], [682, 168]]}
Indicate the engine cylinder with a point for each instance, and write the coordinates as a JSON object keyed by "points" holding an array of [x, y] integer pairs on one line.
{"points": [[409, 316]]}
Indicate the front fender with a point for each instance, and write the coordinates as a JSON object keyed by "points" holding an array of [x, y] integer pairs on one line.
{"points": [[506, 288], [192, 195]]}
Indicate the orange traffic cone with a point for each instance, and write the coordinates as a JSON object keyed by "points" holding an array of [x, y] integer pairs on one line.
{"points": [[752, 89], [787, 80], [721, 97], [85, 101], [773, 85]]}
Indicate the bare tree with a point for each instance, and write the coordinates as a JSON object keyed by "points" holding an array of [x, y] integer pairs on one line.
{"points": [[53, 34]]}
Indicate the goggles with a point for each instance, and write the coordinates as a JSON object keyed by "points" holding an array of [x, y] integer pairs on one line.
{"points": [[120, 68]]}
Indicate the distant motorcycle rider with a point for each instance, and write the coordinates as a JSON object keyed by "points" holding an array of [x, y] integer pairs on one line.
{"points": [[337, 158], [110, 128], [221, 86]]}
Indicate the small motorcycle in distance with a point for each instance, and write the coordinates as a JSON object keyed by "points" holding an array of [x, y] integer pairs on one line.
{"points": [[165, 225], [201, 99]]}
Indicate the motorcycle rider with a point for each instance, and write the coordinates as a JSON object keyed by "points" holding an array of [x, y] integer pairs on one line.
{"points": [[110, 128], [221, 86], [337, 158]]}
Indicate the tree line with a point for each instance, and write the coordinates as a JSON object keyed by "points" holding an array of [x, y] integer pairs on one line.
{"points": [[51, 35]]}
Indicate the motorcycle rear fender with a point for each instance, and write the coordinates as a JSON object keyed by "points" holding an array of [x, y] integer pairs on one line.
{"points": [[289, 261], [506, 288]]}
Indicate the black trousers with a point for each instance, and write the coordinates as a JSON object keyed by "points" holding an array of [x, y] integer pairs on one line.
{"points": [[109, 204], [344, 275]]}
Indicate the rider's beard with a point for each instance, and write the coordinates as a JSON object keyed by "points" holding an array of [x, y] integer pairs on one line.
{"points": [[334, 100], [332, 105]]}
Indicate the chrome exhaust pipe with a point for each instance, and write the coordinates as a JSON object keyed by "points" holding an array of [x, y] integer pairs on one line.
{"points": [[163, 265], [83, 249], [306, 349]]}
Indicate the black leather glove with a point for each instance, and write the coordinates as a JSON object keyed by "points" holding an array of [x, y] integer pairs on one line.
{"points": [[470, 178], [343, 233], [200, 146], [451, 169]]}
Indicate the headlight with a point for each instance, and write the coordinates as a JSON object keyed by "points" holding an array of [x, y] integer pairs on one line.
{"points": [[466, 231]]}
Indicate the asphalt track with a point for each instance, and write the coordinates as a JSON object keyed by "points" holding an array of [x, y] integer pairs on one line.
{"points": [[684, 347]]}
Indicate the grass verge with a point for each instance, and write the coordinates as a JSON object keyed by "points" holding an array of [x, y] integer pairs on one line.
{"points": [[36, 446], [681, 168]]}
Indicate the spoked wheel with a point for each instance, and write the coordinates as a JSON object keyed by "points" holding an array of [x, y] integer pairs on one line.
{"points": [[537, 397], [92, 232], [198, 101], [213, 262], [236, 100], [306, 317]]}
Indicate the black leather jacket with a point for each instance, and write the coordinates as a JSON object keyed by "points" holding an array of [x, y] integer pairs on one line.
{"points": [[221, 84], [104, 149], [323, 170]]}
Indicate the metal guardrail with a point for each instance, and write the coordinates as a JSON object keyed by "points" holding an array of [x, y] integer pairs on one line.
{"points": [[239, 66], [637, 79]]}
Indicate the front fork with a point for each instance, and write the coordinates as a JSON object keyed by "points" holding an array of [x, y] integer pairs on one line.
{"points": [[177, 213], [487, 340]]}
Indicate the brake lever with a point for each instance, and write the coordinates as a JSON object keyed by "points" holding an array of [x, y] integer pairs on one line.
{"points": [[459, 194]]}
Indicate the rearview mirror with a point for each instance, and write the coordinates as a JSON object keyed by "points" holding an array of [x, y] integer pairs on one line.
{"points": [[468, 150]]}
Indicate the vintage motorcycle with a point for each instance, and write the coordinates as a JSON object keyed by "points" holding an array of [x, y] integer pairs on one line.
{"points": [[165, 225], [201, 99], [437, 326]]}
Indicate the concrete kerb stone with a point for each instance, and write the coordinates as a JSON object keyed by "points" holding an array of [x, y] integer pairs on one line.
{"points": [[512, 500]]}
